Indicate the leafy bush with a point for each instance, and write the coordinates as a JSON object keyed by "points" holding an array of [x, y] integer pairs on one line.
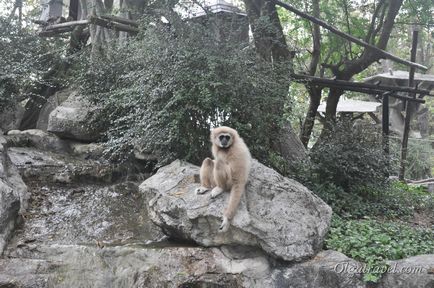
{"points": [[350, 157], [24, 59], [162, 91], [419, 159], [373, 242], [391, 200]]}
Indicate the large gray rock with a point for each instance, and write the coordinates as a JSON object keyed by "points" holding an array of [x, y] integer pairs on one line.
{"points": [[277, 214], [52, 102], [72, 119], [133, 266], [9, 207], [13, 195], [412, 272], [11, 117], [38, 139], [329, 269]]}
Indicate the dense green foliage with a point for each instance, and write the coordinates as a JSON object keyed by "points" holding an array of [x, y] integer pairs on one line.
{"points": [[373, 242], [391, 200], [350, 156], [163, 91], [348, 171], [24, 60]]}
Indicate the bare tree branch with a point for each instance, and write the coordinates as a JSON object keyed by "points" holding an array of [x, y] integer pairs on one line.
{"points": [[371, 28], [316, 34]]}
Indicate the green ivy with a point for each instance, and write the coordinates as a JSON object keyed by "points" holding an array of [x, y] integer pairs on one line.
{"points": [[373, 242]]}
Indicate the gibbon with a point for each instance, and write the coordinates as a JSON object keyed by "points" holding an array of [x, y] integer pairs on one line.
{"points": [[228, 171]]}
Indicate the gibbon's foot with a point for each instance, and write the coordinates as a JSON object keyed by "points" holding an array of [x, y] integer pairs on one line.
{"points": [[216, 191], [201, 190], [225, 225]]}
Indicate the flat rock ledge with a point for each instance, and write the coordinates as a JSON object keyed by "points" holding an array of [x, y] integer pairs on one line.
{"points": [[277, 214]]}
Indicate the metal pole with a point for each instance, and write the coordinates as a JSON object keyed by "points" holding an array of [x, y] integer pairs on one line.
{"points": [[408, 108]]}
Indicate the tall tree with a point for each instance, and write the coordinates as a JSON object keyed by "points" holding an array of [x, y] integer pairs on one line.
{"points": [[271, 46], [267, 30], [349, 62]]}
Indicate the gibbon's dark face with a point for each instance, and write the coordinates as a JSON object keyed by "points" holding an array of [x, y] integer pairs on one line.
{"points": [[224, 140]]}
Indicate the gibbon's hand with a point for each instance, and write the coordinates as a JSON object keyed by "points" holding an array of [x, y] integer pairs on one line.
{"points": [[201, 190], [225, 225], [216, 191]]}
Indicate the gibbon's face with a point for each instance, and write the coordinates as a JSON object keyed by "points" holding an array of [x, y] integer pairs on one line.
{"points": [[223, 137], [224, 140]]}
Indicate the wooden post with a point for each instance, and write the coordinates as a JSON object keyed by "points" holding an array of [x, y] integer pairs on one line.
{"points": [[408, 108], [385, 121]]}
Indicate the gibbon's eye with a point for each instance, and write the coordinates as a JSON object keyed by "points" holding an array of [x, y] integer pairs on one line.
{"points": [[224, 137]]}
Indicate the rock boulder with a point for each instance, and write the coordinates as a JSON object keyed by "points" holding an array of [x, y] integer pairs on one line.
{"points": [[276, 214], [13, 195], [71, 119], [412, 272]]}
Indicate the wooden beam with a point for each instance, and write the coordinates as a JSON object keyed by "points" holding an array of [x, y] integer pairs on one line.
{"points": [[120, 20], [360, 87], [112, 25], [374, 117], [69, 24], [53, 33], [349, 37]]}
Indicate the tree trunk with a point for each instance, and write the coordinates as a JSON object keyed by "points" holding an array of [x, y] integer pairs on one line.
{"points": [[271, 46], [267, 30], [99, 36], [309, 121], [314, 92]]}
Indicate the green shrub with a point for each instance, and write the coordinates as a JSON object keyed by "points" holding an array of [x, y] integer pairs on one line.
{"points": [[24, 60], [163, 91], [373, 242], [350, 157], [390, 201], [419, 159]]}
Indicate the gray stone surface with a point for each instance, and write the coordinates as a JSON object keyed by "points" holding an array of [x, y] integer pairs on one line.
{"points": [[13, 195], [38, 139], [328, 269], [133, 266], [276, 214], [92, 150], [11, 117], [412, 272], [71, 119], [52, 102], [46, 167]]}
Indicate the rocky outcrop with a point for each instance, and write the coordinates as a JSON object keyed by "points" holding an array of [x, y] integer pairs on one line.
{"points": [[38, 139], [87, 225], [326, 270], [71, 119], [146, 267], [417, 272], [52, 103], [277, 214], [11, 117], [13, 195]]}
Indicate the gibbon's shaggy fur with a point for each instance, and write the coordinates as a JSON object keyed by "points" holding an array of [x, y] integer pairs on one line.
{"points": [[228, 171]]}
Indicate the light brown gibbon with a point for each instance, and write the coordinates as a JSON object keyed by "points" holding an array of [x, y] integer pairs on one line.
{"points": [[228, 171]]}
